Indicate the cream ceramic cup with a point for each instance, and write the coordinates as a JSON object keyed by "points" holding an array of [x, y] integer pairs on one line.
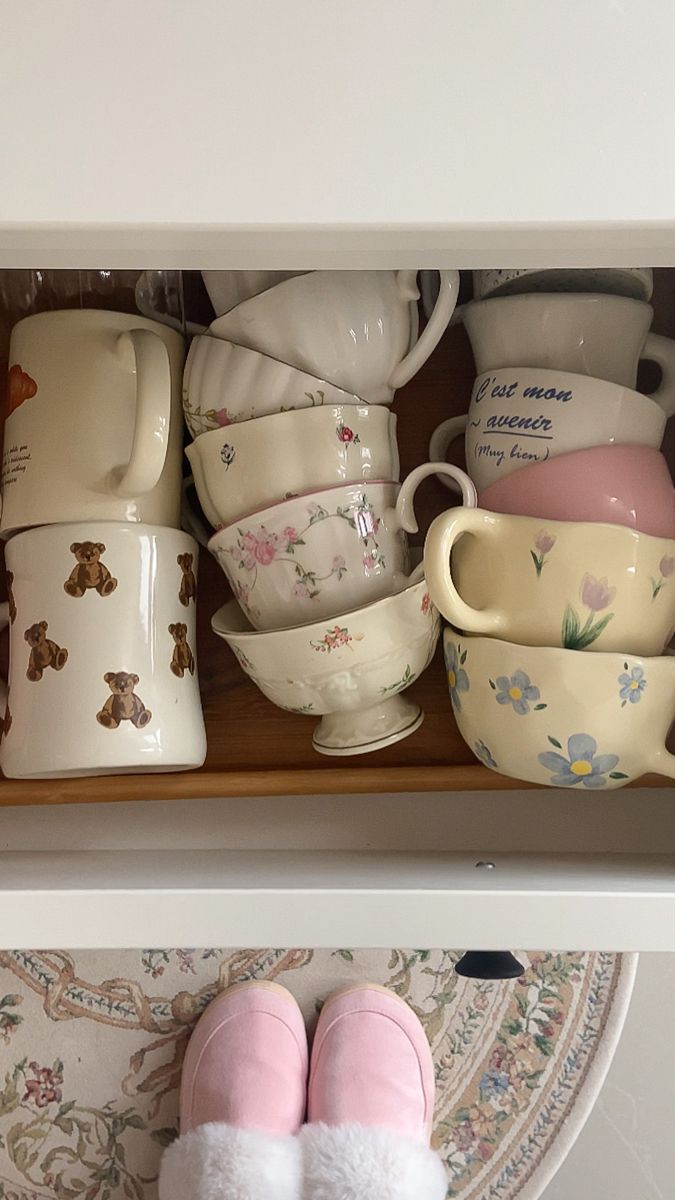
{"points": [[552, 583], [635, 282], [601, 336], [356, 328], [226, 289], [324, 553], [350, 671], [224, 384], [561, 717], [103, 672], [94, 429], [257, 463], [524, 415]]}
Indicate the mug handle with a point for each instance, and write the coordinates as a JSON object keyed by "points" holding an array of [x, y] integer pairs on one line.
{"points": [[434, 329], [442, 535], [443, 435], [189, 519], [153, 414], [403, 515], [661, 350]]}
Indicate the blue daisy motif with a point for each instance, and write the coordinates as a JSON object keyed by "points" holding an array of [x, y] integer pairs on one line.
{"points": [[582, 765], [482, 752], [631, 686], [458, 680], [516, 690]]}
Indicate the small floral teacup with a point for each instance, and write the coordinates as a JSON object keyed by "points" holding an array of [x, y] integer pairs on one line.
{"points": [[559, 717]]}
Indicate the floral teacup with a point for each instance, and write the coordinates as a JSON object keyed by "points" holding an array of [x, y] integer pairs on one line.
{"points": [[350, 671], [552, 583], [326, 552], [561, 717]]}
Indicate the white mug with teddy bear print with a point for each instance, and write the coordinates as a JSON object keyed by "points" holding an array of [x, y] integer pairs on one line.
{"points": [[102, 664], [94, 421]]}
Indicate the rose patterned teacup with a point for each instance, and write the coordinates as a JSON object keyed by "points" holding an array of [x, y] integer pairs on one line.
{"points": [[326, 552], [351, 672], [561, 717], [555, 583]]}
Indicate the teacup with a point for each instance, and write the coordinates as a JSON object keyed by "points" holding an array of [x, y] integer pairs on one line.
{"points": [[621, 485], [635, 282], [352, 671], [226, 289], [525, 415], [324, 553], [601, 336], [257, 463], [224, 384], [103, 663], [93, 428], [356, 328], [581, 587], [561, 717]]}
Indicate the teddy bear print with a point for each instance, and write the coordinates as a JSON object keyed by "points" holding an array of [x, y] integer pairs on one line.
{"points": [[90, 572], [43, 652], [11, 602], [124, 704], [188, 583], [183, 659]]}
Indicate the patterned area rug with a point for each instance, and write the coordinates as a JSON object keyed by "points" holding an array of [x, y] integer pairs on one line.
{"points": [[91, 1045]]}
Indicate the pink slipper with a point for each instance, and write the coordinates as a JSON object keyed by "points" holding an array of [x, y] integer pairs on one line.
{"points": [[242, 1100], [370, 1103]]}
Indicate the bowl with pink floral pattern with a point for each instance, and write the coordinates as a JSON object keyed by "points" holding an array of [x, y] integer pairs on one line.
{"points": [[350, 671]]}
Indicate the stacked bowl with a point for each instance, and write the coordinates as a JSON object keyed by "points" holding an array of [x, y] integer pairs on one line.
{"points": [[560, 586], [296, 466]]}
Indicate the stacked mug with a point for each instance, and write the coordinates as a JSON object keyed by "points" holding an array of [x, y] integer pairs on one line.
{"points": [[101, 580], [560, 586], [296, 466]]}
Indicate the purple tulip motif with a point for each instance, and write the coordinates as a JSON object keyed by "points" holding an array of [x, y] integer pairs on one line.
{"points": [[596, 595], [666, 568], [543, 544]]}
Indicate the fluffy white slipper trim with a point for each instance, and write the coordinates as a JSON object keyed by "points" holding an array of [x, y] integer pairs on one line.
{"points": [[355, 1162], [219, 1162]]}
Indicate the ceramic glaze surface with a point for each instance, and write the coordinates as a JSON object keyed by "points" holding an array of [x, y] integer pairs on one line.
{"points": [[635, 282], [103, 672], [229, 288], [619, 485], [257, 463], [561, 717], [577, 586], [525, 415]]}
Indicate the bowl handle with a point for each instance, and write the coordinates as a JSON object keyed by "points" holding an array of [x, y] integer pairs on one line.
{"points": [[442, 535], [443, 435], [433, 332], [403, 516]]}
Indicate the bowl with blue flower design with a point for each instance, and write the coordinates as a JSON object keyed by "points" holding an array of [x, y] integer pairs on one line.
{"points": [[561, 717]]}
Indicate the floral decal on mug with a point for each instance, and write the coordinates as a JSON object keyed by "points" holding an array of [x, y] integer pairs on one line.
{"points": [[227, 455], [406, 679], [483, 753], [335, 638], [517, 691], [666, 568], [583, 763], [20, 387], [631, 685], [458, 679], [347, 435], [596, 595], [543, 544]]}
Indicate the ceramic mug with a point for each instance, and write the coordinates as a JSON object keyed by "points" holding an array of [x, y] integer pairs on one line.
{"points": [[621, 485], [555, 583], [93, 427], [635, 282], [103, 673], [356, 328], [226, 289], [601, 336], [524, 415], [258, 463], [324, 553], [561, 717], [351, 672]]}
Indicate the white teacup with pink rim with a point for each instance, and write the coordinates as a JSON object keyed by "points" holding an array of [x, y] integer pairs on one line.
{"points": [[320, 554], [355, 328]]}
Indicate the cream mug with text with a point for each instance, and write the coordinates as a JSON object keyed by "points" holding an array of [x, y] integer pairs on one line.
{"points": [[601, 336], [552, 583], [94, 421], [102, 665], [524, 415]]}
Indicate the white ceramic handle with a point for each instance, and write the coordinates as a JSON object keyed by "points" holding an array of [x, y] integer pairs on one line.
{"points": [[403, 515], [153, 414], [443, 435], [4, 622], [661, 350], [433, 332], [442, 535], [189, 519]]}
